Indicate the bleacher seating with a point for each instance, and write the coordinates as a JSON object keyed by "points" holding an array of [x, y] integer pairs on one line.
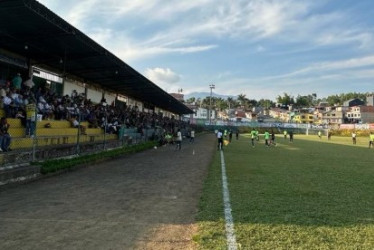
{"points": [[59, 132]]}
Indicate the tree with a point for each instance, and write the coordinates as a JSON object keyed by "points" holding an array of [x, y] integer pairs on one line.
{"points": [[221, 104], [242, 99], [252, 103], [191, 100], [304, 101], [286, 99], [230, 102], [265, 103], [334, 99]]}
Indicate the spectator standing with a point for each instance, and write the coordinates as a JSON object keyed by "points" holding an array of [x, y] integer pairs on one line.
{"points": [[17, 82], [8, 102], [30, 118]]}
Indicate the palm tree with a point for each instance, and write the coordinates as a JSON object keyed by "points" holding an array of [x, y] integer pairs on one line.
{"points": [[242, 99], [230, 101]]}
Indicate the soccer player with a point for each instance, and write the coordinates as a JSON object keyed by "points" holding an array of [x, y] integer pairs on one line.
{"points": [[267, 137], [220, 140], [272, 141], [354, 137], [371, 139], [291, 136], [253, 137]]}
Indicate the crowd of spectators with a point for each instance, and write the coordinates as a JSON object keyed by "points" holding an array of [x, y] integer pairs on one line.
{"points": [[21, 99]]}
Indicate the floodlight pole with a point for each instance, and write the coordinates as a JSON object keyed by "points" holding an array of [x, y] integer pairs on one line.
{"points": [[211, 86]]}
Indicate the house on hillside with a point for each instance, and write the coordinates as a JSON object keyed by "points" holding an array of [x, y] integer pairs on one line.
{"points": [[178, 96], [303, 118], [353, 102], [370, 100], [200, 113], [360, 114], [280, 114], [334, 115]]}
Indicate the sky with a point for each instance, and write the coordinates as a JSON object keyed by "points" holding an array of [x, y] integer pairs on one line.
{"points": [[260, 48]]}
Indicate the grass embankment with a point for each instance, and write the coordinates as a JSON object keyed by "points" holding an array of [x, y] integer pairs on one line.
{"points": [[310, 194], [51, 166]]}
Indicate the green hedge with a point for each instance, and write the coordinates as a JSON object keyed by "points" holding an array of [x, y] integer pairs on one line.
{"points": [[348, 132], [55, 165]]}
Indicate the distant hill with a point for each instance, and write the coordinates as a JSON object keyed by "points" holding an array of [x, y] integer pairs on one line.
{"points": [[202, 95]]}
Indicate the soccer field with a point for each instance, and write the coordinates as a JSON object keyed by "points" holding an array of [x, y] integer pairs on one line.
{"points": [[309, 194]]}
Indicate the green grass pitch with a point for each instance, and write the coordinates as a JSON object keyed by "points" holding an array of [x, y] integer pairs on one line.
{"points": [[309, 194]]}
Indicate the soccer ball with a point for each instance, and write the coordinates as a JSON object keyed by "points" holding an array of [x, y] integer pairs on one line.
{"points": [[155, 147]]}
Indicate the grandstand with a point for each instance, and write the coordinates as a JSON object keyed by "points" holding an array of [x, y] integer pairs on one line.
{"points": [[62, 68]]}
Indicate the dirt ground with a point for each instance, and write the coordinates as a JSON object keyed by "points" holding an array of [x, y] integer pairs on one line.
{"points": [[144, 201]]}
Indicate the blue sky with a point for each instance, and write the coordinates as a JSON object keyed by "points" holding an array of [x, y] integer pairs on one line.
{"points": [[260, 48]]}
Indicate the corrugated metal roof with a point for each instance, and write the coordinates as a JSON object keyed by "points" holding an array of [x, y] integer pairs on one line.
{"points": [[55, 44]]}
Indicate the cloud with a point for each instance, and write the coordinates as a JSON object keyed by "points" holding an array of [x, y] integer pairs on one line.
{"points": [[330, 66], [260, 48], [200, 25], [164, 78]]}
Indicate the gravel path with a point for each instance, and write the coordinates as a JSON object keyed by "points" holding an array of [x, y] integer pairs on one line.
{"points": [[144, 201]]}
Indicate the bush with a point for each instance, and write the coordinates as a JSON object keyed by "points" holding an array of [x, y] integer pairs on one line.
{"points": [[348, 132]]}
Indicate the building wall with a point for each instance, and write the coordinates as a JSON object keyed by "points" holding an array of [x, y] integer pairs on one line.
{"points": [[304, 118], [370, 101], [110, 98], [94, 95], [70, 85], [367, 117]]}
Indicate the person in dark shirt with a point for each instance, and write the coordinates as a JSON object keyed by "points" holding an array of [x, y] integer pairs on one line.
{"points": [[4, 134]]}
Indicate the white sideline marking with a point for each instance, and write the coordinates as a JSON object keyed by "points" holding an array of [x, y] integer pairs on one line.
{"points": [[230, 234]]}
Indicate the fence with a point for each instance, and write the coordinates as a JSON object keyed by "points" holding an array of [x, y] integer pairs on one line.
{"points": [[52, 139]]}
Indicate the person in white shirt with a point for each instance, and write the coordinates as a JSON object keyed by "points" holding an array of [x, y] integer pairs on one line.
{"points": [[192, 136], [220, 140], [7, 103], [354, 137], [179, 140]]}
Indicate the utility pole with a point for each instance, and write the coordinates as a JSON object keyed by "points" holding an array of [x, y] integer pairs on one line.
{"points": [[211, 86]]}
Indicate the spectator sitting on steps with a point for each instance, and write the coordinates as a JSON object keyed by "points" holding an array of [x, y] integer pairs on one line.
{"points": [[4, 135], [75, 124]]}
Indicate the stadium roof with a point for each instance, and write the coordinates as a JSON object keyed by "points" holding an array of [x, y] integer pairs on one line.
{"points": [[53, 43]]}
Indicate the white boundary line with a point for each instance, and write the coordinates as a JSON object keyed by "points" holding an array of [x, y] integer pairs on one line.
{"points": [[230, 233]]}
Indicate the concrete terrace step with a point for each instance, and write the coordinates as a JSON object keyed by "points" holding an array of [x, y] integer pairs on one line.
{"points": [[18, 173]]}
